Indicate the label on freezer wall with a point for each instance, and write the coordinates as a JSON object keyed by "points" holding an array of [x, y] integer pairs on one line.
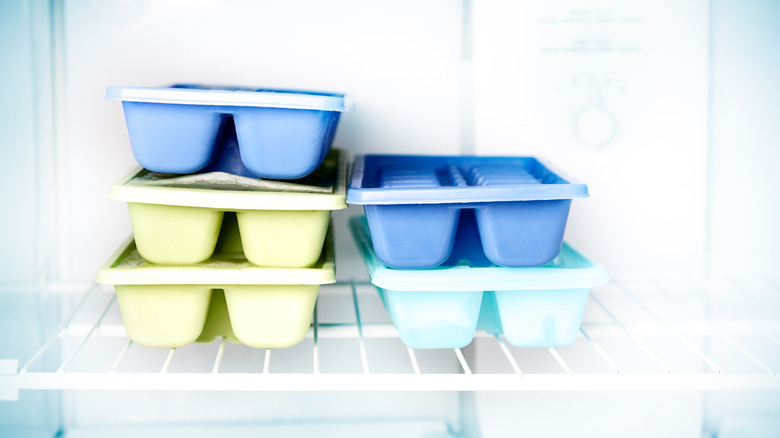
{"points": [[615, 92]]}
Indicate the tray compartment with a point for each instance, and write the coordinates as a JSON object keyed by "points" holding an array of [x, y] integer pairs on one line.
{"points": [[271, 316], [427, 319], [284, 143], [523, 233], [168, 234], [412, 236], [283, 238], [535, 318], [167, 316], [172, 138]]}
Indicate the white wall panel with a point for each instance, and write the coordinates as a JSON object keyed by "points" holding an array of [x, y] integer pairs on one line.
{"points": [[615, 93], [400, 61]]}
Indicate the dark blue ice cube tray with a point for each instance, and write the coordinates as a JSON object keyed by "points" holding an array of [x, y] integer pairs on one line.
{"points": [[281, 134], [413, 204]]}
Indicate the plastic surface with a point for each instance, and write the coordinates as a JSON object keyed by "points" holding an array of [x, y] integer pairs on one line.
{"points": [[273, 133], [170, 306], [442, 307], [413, 203], [179, 220]]}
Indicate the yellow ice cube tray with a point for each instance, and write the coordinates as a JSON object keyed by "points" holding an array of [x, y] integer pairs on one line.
{"points": [[177, 219], [171, 306]]}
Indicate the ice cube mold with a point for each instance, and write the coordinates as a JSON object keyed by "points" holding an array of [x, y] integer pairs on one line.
{"points": [[177, 219], [442, 307], [413, 203], [282, 134], [172, 306]]}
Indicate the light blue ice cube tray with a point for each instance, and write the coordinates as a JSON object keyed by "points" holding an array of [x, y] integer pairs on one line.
{"points": [[442, 307], [413, 203], [281, 134]]}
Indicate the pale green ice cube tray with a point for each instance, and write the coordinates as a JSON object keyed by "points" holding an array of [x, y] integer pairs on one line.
{"points": [[171, 306], [177, 219]]}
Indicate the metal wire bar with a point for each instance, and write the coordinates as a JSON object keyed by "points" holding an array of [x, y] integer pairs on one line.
{"points": [[413, 358], [696, 350], [168, 360], [88, 335], [601, 352], [508, 355], [732, 307], [714, 329], [760, 301], [56, 335], [220, 353], [560, 360], [363, 355], [315, 343], [462, 360], [267, 361], [121, 356], [639, 342]]}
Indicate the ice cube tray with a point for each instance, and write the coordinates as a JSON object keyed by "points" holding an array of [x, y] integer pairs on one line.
{"points": [[172, 306], [442, 307], [281, 134], [178, 219], [413, 203]]}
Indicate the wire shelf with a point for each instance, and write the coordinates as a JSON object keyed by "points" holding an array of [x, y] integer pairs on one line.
{"points": [[636, 335]]}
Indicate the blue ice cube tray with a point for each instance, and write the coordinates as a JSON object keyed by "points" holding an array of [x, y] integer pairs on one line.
{"points": [[413, 203], [442, 307], [281, 134]]}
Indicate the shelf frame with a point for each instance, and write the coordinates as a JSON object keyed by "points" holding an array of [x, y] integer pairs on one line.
{"points": [[561, 377]]}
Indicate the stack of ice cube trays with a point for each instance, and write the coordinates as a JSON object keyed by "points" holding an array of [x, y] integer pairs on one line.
{"points": [[454, 244], [231, 209], [230, 212]]}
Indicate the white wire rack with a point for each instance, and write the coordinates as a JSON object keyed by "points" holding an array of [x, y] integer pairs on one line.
{"points": [[642, 335]]}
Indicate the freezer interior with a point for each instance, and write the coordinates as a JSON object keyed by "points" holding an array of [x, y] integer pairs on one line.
{"points": [[666, 110]]}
